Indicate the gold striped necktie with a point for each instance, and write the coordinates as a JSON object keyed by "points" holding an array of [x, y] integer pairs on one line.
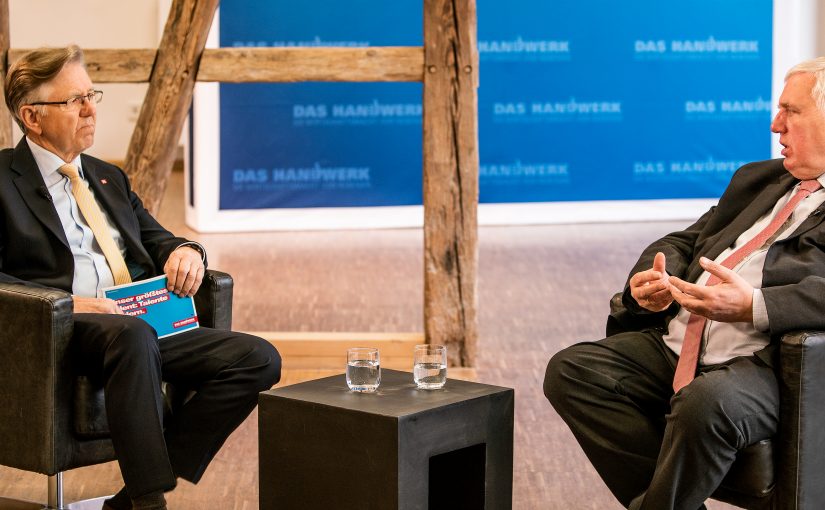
{"points": [[96, 221]]}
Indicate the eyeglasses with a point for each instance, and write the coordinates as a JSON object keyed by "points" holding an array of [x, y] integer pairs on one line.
{"points": [[74, 103]]}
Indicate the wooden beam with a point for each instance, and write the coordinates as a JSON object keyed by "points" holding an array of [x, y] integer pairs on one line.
{"points": [[124, 66], [284, 65], [451, 177], [152, 148], [5, 116], [111, 66], [318, 350], [312, 64]]}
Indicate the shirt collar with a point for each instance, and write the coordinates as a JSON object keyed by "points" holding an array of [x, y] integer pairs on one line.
{"points": [[49, 162]]}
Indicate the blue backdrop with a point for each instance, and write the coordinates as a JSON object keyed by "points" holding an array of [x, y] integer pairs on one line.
{"points": [[579, 100]]}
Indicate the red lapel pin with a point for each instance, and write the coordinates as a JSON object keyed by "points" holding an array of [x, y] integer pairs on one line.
{"points": [[104, 181]]}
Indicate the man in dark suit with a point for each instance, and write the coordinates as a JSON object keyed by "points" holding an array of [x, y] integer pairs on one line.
{"points": [[51, 236], [661, 429]]}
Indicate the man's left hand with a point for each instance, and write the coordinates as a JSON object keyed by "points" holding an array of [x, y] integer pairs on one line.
{"points": [[730, 300], [184, 269]]}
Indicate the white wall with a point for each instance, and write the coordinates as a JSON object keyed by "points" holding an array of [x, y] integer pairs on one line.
{"points": [[95, 24]]}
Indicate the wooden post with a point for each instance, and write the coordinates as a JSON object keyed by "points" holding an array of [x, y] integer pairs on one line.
{"points": [[451, 177], [5, 116], [152, 147]]}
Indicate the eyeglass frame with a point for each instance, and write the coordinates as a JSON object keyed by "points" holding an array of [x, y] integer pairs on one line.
{"points": [[93, 97]]}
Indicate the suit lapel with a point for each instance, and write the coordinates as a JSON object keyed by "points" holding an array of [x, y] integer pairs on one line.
{"points": [[30, 185], [759, 206], [813, 220]]}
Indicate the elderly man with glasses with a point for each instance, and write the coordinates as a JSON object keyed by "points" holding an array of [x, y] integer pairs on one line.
{"points": [[70, 221]]}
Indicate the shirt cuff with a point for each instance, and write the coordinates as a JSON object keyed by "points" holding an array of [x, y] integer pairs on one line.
{"points": [[197, 246], [760, 312]]}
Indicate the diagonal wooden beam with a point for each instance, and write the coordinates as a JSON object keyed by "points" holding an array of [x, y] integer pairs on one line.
{"points": [[451, 177], [154, 142]]}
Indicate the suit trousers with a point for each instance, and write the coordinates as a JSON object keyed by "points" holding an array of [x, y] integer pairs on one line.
{"points": [[656, 450], [225, 369]]}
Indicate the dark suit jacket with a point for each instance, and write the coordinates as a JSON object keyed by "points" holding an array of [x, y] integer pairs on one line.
{"points": [[793, 280], [33, 246]]}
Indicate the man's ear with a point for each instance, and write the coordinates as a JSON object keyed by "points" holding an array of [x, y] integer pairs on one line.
{"points": [[31, 119]]}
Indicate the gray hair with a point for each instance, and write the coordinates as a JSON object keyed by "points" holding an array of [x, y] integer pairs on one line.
{"points": [[31, 71], [816, 67]]}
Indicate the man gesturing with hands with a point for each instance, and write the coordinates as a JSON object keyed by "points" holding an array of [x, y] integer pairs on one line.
{"points": [[686, 377], [729, 301]]}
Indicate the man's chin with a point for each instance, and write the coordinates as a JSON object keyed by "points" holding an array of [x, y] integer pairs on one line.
{"points": [[88, 141], [803, 174]]}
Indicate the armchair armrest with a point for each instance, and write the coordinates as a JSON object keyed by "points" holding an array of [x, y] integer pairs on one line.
{"points": [[213, 301], [35, 375], [801, 462]]}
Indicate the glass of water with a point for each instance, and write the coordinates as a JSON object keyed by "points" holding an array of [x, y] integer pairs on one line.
{"points": [[430, 366], [363, 369]]}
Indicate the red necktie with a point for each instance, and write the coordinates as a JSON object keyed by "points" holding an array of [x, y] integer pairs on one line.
{"points": [[686, 367]]}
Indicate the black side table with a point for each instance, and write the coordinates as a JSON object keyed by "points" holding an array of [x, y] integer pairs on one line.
{"points": [[324, 447]]}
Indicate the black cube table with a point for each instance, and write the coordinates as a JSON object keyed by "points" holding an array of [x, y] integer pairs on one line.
{"points": [[325, 447]]}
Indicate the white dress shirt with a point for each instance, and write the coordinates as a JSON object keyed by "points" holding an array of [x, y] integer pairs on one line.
{"points": [[727, 340]]}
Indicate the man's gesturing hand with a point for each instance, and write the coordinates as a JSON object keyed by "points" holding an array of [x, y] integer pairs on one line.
{"points": [[651, 288], [731, 300], [184, 269]]}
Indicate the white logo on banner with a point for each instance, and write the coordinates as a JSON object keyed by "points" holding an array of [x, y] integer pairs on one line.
{"points": [[374, 112], [727, 109], [557, 111], [314, 177], [517, 172], [524, 49], [315, 42], [659, 171], [710, 48]]}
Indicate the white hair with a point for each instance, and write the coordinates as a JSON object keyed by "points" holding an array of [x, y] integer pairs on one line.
{"points": [[816, 67]]}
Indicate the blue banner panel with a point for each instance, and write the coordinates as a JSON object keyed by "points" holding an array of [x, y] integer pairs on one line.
{"points": [[579, 100]]}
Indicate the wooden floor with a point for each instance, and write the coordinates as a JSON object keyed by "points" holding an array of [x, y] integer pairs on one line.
{"points": [[541, 288]]}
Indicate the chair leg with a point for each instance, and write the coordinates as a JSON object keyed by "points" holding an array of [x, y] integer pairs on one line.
{"points": [[55, 493], [56, 498]]}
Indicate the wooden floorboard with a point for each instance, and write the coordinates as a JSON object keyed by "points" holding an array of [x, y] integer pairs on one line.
{"points": [[541, 288]]}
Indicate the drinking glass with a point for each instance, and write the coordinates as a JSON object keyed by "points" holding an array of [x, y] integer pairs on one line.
{"points": [[363, 369], [430, 366]]}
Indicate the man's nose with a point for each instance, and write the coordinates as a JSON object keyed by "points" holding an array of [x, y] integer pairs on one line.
{"points": [[88, 107], [777, 125]]}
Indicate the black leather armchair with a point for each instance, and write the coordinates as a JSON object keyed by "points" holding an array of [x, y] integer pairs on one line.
{"points": [[52, 419], [787, 471]]}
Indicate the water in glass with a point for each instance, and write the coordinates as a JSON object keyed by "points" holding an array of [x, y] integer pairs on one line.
{"points": [[363, 375], [430, 376]]}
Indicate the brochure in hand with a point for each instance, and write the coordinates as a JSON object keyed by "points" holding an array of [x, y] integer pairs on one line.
{"points": [[152, 302]]}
